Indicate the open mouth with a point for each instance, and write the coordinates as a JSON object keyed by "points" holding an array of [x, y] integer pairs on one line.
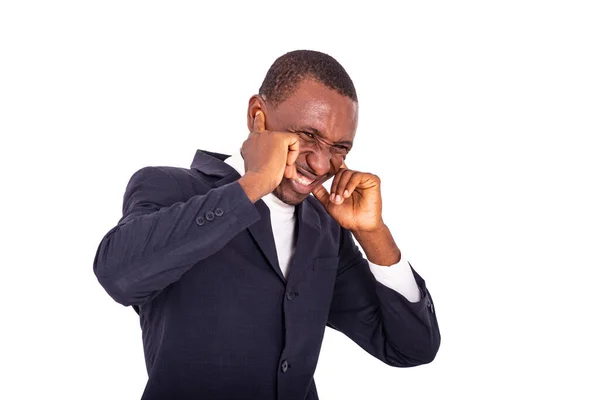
{"points": [[303, 180], [304, 184]]}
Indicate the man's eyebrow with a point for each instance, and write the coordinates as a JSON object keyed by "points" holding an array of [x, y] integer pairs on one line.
{"points": [[318, 133]]}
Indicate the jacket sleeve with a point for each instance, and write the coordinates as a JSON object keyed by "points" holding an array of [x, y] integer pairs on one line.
{"points": [[379, 319], [160, 237]]}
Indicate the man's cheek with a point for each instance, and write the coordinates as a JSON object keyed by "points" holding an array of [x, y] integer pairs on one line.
{"points": [[301, 157]]}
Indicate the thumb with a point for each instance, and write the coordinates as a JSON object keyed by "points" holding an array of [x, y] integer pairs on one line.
{"points": [[259, 122], [321, 194]]}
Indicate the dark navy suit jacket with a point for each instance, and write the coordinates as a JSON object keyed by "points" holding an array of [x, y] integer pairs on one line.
{"points": [[197, 261]]}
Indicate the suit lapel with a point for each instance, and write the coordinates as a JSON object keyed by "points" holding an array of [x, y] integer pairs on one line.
{"points": [[309, 234], [262, 232]]}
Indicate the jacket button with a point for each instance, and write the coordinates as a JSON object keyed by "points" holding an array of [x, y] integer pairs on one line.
{"points": [[290, 295], [219, 212], [200, 221], [284, 366], [209, 216], [430, 306]]}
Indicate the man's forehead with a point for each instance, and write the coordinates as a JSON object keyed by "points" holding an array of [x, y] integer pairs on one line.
{"points": [[321, 107], [313, 108]]}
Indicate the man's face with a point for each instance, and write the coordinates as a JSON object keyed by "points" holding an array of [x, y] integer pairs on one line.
{"points": [[326, 124]]}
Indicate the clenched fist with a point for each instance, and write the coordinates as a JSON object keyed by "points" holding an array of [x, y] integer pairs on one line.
{"points": [[269, 156], [355, 200]]}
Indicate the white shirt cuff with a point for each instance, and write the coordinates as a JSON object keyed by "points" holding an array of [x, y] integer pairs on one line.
{"points": [[398, 277]]}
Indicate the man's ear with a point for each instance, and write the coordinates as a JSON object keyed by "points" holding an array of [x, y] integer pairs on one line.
{"points": [[255, 104]]}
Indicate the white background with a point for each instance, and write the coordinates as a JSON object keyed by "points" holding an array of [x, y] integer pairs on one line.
{"points": [[482, 118]]}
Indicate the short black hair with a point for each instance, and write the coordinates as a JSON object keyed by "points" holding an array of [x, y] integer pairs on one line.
{"points": [[292, 68]]}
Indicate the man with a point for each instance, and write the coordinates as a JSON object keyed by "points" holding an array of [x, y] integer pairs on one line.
{"points": [[235, 269]]}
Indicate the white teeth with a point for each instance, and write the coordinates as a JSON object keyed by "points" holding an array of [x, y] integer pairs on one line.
{"points": [[304, 180]]}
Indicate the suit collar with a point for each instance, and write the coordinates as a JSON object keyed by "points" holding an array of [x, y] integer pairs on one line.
{"points": [[237, 162], [213, 164], [309, 222]]}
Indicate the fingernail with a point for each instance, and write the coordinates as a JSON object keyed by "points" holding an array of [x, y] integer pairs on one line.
{"points": [[346, 193], [332, 197], [338, 199]]}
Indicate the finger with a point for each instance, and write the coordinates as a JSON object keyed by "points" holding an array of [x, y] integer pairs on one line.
{"points": [[321, 194], [336, 179], [292, 155], [290, 172], [352, 183], [259, 122], [341, 193], [293, 144]]}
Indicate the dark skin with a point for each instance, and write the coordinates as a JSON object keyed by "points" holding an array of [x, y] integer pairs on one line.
{"points": [[319, 110], [295, 147]]}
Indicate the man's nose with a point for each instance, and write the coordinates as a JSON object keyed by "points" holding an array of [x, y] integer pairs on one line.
{"points": [[319, 161]]}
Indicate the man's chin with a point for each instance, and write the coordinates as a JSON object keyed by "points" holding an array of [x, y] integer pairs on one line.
{"points": [[286, 193]]}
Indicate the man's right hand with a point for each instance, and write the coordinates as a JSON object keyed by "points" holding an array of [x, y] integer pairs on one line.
{"points": [[268, 157]]}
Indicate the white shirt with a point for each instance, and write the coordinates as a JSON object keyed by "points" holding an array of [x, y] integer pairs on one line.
{"points": [[398, 277]]}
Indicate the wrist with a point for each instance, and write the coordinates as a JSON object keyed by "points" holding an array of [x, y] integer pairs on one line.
{"points": [[254, 186], [379, 245], [376, 229]]}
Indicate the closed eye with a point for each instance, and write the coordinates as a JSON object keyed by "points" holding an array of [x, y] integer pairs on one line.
{"points": [[316, 138]]}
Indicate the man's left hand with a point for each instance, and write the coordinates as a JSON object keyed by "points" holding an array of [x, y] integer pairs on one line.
{"points": [[355, 200]]}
